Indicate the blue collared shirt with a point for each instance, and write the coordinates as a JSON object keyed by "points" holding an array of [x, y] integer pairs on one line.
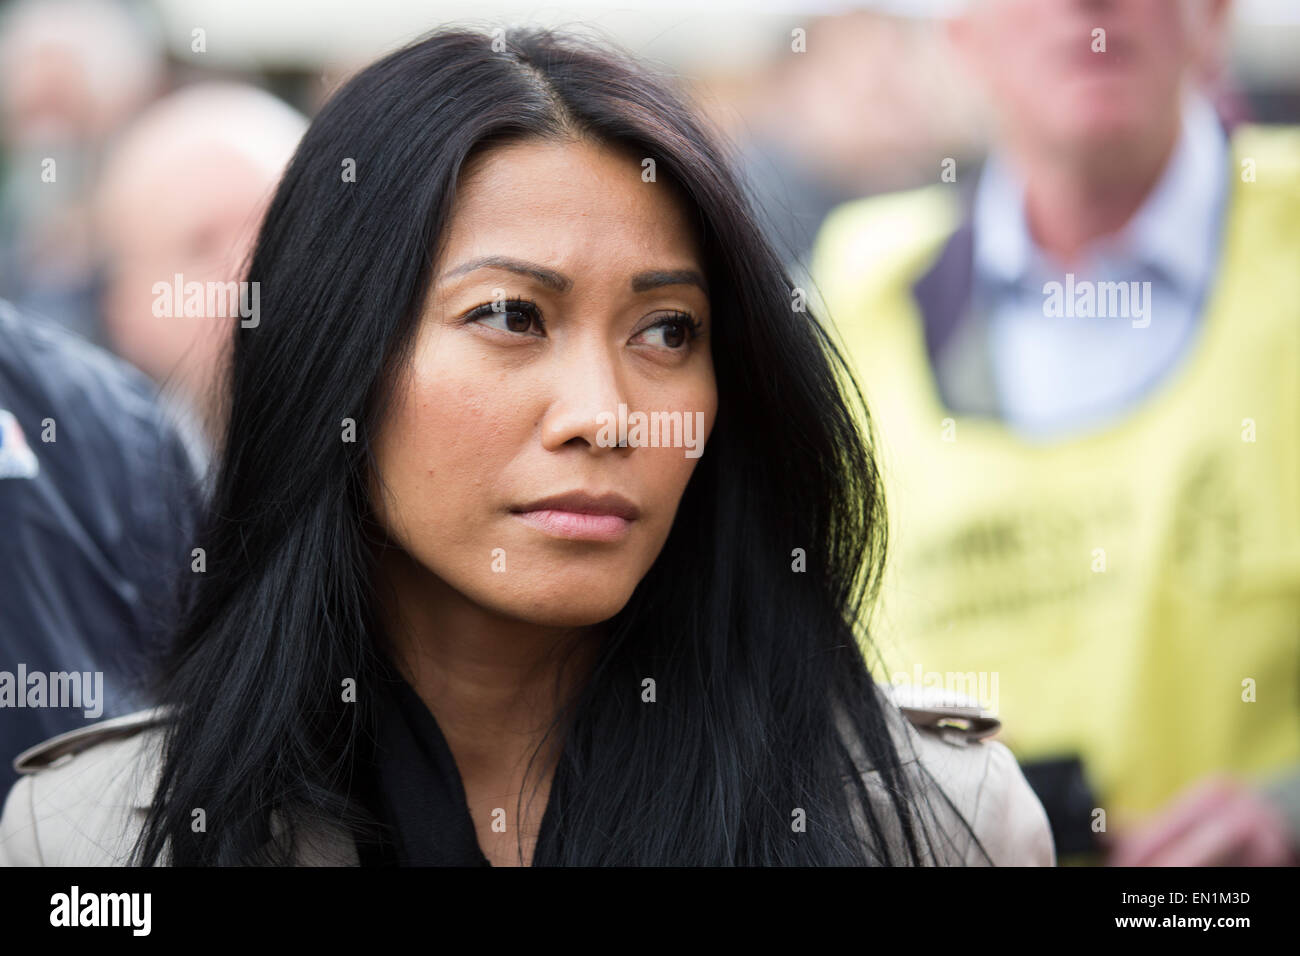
{"points": [[1058, 373]]}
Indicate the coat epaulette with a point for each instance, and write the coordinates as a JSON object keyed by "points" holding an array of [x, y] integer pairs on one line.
{"points": [[60, 749], [954, 717]]}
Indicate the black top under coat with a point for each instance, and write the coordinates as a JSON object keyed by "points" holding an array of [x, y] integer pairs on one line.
{"points": [[414, 790]]}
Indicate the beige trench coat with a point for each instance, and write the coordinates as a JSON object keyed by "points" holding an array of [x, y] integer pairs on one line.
{"points": [[82, 796]]}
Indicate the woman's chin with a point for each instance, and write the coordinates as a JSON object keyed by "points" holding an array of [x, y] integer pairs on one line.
{"points": [[563, 608]]}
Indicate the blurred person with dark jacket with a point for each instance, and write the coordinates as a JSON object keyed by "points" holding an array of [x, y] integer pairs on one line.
{"points": [[96, 503], [1083, 373]]}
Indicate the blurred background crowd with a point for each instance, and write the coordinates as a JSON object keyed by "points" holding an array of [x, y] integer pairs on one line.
{"points": [[142, 140], [167, 122]]}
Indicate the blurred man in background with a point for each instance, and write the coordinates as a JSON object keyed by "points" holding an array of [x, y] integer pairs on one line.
{"points": [[1082, 366], [183, 193]]}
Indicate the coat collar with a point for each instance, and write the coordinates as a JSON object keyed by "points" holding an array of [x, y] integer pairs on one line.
{"points": [[325, 845], [60, 749], [316, 845]]}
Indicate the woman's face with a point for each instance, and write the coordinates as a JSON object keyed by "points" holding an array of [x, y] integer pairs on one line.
{"points": [[499, 465]]}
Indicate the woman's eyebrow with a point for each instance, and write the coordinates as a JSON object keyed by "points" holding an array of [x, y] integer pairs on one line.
{"points": [[645, 281], [558, 282], [548, 277]]}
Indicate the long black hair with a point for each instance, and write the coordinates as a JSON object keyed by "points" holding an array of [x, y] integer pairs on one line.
{"points": [[759, 667]]}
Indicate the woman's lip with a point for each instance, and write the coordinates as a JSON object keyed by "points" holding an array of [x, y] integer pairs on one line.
{"points": [[576, 525], [585, 502]]}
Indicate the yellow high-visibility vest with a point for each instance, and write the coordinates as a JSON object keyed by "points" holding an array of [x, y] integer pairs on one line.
{"points": [[1130, 595]]}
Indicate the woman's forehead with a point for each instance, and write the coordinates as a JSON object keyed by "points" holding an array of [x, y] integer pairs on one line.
{"points": [[542, 192]]}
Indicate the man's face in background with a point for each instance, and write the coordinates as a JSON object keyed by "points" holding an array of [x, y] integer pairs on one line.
{"points": [[1074, 75]]}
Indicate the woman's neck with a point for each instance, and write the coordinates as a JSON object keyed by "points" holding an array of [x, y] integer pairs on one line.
{"points": [[486, 678], [494, 685]]}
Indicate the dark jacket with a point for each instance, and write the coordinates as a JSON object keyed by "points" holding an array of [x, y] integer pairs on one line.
{"points": [[97, 502]]}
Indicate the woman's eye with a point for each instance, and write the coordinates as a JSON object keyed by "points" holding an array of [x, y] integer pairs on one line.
{"points": [[514, 315], [671, 333]]}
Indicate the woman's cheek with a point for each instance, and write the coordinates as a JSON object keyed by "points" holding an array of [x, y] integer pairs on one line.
{"points": [[420, 459], [670, 468]]}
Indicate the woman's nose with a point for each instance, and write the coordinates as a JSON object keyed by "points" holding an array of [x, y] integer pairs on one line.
{"points": [[587, 390]]}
